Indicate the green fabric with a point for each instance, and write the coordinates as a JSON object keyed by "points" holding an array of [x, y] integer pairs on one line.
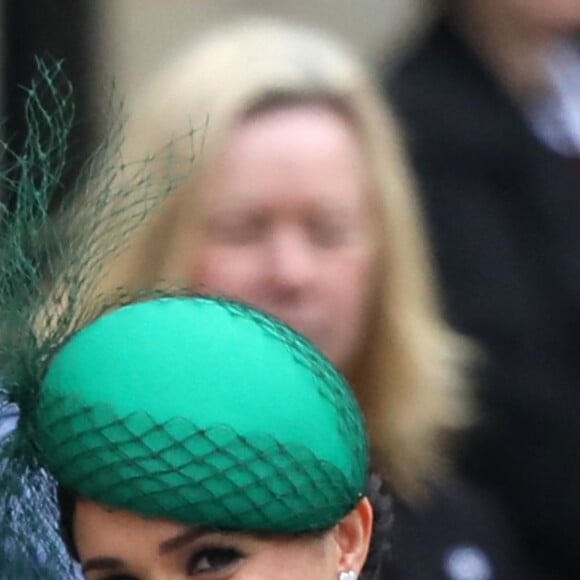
{"points": [[206, 411]]}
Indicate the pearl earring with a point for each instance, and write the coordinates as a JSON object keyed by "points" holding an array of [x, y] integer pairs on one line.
{"points": [[348, 575]]}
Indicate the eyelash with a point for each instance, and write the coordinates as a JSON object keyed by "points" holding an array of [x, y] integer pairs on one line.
{"points": [[227, 554]]}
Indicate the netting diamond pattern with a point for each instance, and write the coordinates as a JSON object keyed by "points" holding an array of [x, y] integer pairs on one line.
{"points": [[205, 476]]}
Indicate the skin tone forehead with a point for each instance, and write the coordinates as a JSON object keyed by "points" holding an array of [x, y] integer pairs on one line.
{"points": [[300, 147]]}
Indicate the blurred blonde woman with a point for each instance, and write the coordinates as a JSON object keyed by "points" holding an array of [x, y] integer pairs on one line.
{"points": [[363, 240], [301, 203]]}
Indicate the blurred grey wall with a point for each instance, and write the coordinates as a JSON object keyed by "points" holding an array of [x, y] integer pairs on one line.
{"points": [[138, 36]]}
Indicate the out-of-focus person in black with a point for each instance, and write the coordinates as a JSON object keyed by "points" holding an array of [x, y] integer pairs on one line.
{"points": [[490, 102]]}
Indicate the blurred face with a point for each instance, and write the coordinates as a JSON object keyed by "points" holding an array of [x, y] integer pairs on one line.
{"points": [[288, 226], [554, 16], [120, 545]]}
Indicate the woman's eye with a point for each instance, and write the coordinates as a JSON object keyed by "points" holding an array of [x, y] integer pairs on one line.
{"points": [[212, 560], [327, 233], [238, 230], [241, 234]]}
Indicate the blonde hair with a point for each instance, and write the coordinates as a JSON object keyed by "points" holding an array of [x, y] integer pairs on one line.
{"points": [[410, 379]]}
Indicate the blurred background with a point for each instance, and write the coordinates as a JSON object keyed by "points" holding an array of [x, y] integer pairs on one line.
{"points": [[126, 41]]}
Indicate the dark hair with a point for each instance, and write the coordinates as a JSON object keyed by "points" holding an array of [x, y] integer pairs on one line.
{"points": [[377, 493], [383, 517], [66, 505]]}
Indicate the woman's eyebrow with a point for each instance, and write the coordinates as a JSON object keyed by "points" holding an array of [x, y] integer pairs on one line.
{"points": [[103, 563], [184, 538]]}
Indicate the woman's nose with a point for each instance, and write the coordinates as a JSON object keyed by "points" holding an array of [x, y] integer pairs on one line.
{"points": [[292, 259]]}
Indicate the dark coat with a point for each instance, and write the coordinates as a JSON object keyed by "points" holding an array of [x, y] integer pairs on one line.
{"points": [[503, 213], [459, 533]]}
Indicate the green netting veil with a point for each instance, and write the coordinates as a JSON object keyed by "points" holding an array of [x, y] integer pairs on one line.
{"points": [[207, 412]]}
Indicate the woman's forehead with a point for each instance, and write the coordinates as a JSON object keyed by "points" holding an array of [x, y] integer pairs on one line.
{"points": [[92, 515], [290, 147]]}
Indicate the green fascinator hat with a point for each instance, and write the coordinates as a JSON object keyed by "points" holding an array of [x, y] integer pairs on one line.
{"points": [[196, 409], [204, 411]]}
